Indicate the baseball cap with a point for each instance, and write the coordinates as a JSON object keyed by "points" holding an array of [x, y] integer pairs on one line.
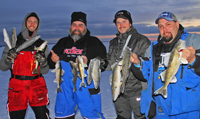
{"points": [[123, 14], [166, 15]]}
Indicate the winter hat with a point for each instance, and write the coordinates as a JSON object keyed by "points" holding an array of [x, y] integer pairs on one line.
{"points": [[33, 14], [123, 14], [78, 16]]}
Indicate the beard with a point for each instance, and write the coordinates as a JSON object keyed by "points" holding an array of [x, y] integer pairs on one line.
{"points": [[165, 39], [77, 36]]}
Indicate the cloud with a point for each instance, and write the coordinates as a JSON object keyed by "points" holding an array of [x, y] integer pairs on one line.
{"points": [[55, 15]]}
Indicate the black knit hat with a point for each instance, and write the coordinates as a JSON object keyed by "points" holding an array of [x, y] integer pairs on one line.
{"points": [[123, 14], [78, 16], [33, 14]]}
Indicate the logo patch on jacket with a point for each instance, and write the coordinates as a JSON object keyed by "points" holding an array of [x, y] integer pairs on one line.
{"points": [[73, 50]]}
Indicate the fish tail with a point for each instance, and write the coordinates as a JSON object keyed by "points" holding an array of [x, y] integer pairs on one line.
{"points": [[74, 89], [122, 88], [35, 71], [162, 91], [59, 90], [82, 84]]}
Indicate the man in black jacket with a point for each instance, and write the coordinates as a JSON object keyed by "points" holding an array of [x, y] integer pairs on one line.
{"points": [[129, 100], [79, 42]]}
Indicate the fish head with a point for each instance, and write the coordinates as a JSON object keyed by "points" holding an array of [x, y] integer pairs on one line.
{"points": [[181, 44]]}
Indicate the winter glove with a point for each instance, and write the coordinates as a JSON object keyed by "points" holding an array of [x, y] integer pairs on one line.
{"points": [[40, 57], [103, 63], [12, 54]]}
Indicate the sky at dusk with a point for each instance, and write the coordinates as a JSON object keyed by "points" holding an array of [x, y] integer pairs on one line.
{"points": [[55, 15]]}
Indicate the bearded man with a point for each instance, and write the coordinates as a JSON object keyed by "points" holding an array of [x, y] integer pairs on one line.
{"points": [[78, 43]]}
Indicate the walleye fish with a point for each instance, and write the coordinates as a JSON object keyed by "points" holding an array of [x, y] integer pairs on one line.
{"points": [[27, 43], [116, 79], [7, 38], [81, 67], [74, 72], [126, 63], [14, 37], [40, 48], [59, 72], [175, 59], [94, 72], [89, 71]]}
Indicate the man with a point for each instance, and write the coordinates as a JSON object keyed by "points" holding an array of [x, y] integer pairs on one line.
{"points": [[24, 86], [129, 100], [181, 100], [78, 43]]}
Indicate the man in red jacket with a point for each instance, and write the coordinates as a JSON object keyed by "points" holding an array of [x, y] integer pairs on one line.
{"points": [[24, 86]]}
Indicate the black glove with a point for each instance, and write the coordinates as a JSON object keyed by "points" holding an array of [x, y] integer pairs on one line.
{"points": [[40, 57], [12, 54], [103, 63]]}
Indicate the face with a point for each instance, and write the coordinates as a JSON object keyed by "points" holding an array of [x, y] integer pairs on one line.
{"points": [[123, 25], [77, 30], [32, 23], [168, 29]]}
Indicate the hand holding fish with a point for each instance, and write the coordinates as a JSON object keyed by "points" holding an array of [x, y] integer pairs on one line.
{"points": [[85, 60], [40, 57], [54, 56], [134, 59], [189, 54], [12, 54]]}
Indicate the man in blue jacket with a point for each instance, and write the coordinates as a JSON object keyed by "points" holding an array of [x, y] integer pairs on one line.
{"points": [[182, 101]]}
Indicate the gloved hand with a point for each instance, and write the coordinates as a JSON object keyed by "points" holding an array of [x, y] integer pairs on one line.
{"points": [[40, 57], [12, 54], [103, 63]]}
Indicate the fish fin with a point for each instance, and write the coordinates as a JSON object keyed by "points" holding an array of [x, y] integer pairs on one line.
{"points": [[55, 81], [35, 71], [85, 65], [61, 80], [120, 63], [59, 90], [184, 61], [54, 70], [62, 72], [74, 89], [122, 87], [96, 86], [162, 91], [78, 75], [162, 75], [111, 76], [82, 84], [113, 66], [85, 75], [173, 80]]}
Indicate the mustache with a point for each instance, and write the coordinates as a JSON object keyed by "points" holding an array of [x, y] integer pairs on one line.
{"points": [[76, 30]]}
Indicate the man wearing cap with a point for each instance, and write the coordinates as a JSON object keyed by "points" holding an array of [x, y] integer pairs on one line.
{"points": [[181, 101], [24, 85], [129, 99], [79, 42]]}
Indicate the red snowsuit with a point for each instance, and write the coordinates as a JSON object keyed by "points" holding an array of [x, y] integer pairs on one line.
{"points": [[25, 87]]}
